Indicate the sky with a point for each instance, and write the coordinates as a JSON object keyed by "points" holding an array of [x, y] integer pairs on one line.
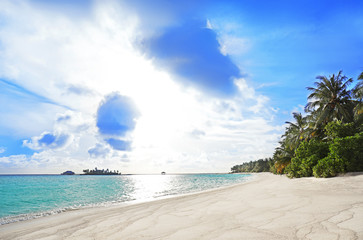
{"points": [[149, 86]]}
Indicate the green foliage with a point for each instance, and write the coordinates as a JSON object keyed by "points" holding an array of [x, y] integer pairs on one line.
{"points": [[271, 163], [306, 157], [329, 139], [330, 99], [282, 156], [350, 150], [345, 155], [295, 132], [358, 94], [101, 172], [261, 165], [329, 167], [337, 129]]}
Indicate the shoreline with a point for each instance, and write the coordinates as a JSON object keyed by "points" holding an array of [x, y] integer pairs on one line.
{"points": [[35, 215], [266, 207]]}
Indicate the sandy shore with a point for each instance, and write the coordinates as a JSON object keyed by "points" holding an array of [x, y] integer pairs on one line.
{"points": [[269, 207]]}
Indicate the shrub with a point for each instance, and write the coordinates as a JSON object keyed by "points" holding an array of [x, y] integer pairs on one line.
{"points": [[306, 157], [329, 167], [345, 155], [350, 150], [293, 169], [337, 129]]}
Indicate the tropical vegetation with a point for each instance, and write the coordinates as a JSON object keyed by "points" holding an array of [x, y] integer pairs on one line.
{"points": [[101, 172], [328, 139], [261, 165]]}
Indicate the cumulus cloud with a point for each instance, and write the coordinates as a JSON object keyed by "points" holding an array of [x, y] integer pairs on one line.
{"points": [[99, 151], [63, 118], [118, 144], [48, 141], [192, 53], [116, 119], [91, 66], [116, 115], [15, 160], [231, 41]]}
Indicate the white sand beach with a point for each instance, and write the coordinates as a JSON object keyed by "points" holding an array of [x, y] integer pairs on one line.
{"points": [[269, 207]]}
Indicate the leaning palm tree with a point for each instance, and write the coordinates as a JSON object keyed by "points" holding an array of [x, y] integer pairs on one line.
{"points": [[294, 134], [330, 99], [282, 156]]}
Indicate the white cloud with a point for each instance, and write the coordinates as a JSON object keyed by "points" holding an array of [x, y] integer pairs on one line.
{"points": [[49, 140], [299, 109], [231, 45], [17, 160], [23, 118], [77, 61], [2, 149], [99, 151], [209, 25], [229, 37]]}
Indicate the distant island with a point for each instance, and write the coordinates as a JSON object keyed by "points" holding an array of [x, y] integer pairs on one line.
{"points": [[101, 172], [67, 173]]}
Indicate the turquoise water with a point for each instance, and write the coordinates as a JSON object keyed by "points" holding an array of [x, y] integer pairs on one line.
{"points": [[30, 196]]}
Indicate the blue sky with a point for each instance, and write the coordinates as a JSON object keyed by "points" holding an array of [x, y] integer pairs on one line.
{"points": [[149, 86]]}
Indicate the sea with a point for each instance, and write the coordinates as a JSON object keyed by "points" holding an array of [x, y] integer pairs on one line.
{"points": [[24, 197]]}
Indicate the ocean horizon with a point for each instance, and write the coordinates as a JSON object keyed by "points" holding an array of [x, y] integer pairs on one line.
{"points": [[28, 196]]}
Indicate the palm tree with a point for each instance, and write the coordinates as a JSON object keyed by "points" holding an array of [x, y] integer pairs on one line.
{"points": [[330, 99], [311, 131], [282, 156], [358, 94], [295, 132]]}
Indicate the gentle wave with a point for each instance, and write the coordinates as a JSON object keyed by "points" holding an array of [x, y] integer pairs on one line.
{"points": [[29, 216], [29, 197]]}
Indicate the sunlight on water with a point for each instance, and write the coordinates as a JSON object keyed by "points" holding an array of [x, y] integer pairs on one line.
{"points": [[148, 186], [24, 197]]}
